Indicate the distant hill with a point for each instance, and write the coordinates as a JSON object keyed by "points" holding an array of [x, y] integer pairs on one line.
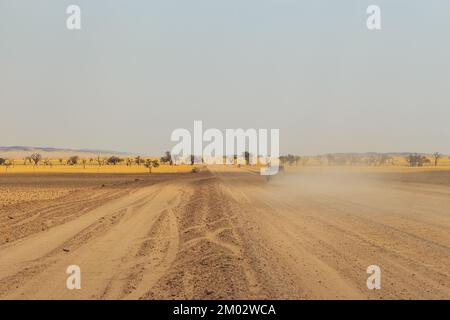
{"points": [[18, 152], [367, 154]]}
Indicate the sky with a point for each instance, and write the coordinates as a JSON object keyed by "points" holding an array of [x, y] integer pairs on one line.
{"points": [[137, 70]]}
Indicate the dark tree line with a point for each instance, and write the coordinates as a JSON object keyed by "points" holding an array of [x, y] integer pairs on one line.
{"points": [[417, 160]]}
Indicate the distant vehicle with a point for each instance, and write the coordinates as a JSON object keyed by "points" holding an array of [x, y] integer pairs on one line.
{"points": [[280, 171]]}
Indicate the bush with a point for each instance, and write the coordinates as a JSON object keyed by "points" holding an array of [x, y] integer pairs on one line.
{"points": [[151, 164], [167, 158], [36, 157], [417, 160], [72, 161], [114, 160]]}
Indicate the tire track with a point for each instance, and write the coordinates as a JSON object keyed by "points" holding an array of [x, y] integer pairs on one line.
{"points": [[209, 261]]}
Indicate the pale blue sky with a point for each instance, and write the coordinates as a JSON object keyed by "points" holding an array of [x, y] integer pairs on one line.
{"points": [[139, 69]]}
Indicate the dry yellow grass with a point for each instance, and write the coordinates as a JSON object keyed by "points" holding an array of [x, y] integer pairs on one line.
{"points": [[362, 169], [92, 168]]}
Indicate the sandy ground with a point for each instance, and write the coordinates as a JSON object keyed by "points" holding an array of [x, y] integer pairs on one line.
{"points": [[226, 233]]}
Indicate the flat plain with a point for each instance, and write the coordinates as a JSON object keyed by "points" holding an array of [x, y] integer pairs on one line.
{"points": [[227, 233]]}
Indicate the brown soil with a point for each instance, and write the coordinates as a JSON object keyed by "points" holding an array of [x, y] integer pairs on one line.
{"points": [[225, 233]]}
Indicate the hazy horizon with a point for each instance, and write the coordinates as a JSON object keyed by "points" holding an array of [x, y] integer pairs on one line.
{"points": [[4, 149], [136, 71]]}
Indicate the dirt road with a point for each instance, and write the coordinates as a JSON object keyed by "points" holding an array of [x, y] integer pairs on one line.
{"points": [[225, 233]]}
